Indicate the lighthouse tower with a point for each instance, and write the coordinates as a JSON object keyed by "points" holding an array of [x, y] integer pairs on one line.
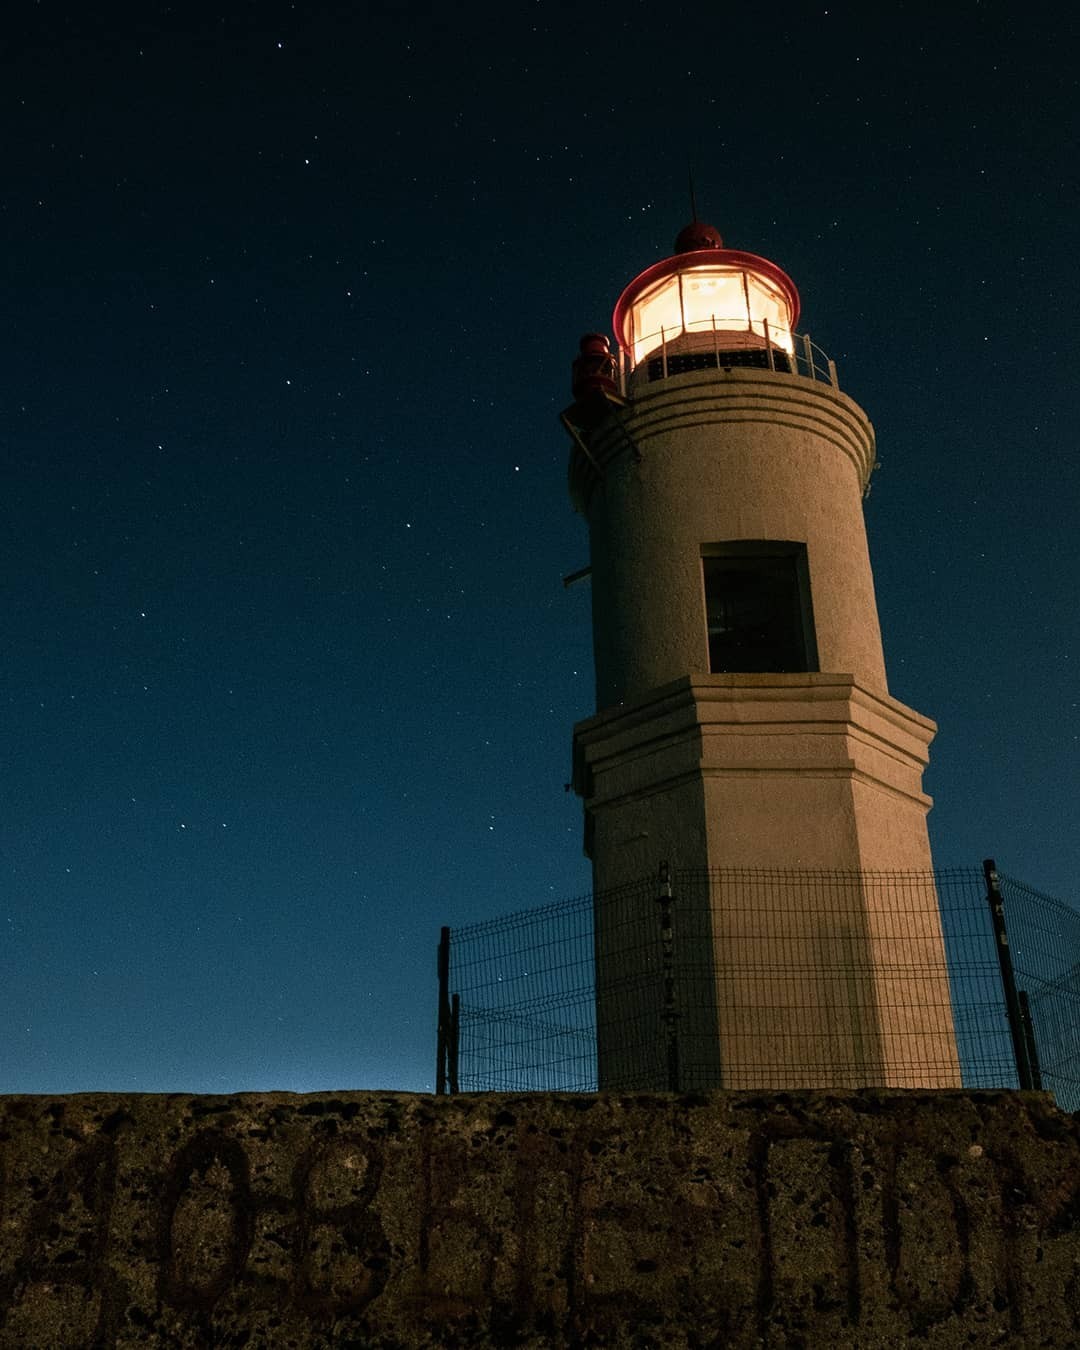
{"points": [[744, 731]]}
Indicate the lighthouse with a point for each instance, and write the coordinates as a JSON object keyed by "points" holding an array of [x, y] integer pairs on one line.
{"points": [[744, 732]]}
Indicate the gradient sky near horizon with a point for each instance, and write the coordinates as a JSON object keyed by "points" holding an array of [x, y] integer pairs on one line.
{"points": [[290, 300]]}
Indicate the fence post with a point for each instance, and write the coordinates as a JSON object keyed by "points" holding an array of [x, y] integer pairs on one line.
{"points": [[454, 1042], [442, 1035], [1008, 977], [671, 1012], [1029, 1040]]}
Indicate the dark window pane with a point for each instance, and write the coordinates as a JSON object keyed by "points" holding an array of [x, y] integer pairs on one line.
{"points": [[755, 607]]}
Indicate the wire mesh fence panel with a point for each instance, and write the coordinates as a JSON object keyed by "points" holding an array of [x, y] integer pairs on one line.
{"points": [[532, 1050], [1044, 936], [527, 987], [979, 1012], [768, 980], [850, 979]]}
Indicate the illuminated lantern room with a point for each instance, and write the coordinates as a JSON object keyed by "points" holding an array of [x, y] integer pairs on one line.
{"points": [[704, 303]]}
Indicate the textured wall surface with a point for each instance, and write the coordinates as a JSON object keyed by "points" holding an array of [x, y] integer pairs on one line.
{"points": [[366, 1219], [709, 458]]}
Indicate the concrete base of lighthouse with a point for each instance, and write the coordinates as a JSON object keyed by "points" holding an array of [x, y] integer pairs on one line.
{"points": [[809, 950]]}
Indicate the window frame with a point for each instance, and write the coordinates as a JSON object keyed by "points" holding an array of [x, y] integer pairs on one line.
{"points": [[806, 637]]}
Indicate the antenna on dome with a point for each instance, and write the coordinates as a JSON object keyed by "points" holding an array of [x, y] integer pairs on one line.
{"points": [[693, 200]]}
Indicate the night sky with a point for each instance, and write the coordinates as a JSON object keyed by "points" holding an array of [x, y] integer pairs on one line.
{"points": [[289, 304]]}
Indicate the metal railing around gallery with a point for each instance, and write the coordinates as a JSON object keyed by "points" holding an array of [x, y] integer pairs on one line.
{"points": [[723, 346]]}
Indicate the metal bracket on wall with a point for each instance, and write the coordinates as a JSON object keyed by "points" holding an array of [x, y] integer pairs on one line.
{"points": [[572, 578], [579, 441], [626, 435]]}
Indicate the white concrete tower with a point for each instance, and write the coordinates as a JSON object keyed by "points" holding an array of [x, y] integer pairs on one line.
{"points": [[743, 717]]}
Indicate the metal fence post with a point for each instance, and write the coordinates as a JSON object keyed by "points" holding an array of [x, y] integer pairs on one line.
{"points": [[454, 1042], [1034, 1066], [1008, 976], [442, 1035], [671, 1012]]}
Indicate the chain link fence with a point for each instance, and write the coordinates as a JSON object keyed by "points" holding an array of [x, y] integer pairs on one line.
{"points": [[768, 979]]}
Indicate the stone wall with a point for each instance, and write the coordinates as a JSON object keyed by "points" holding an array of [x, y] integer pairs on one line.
{"points": [[369, 1219]]}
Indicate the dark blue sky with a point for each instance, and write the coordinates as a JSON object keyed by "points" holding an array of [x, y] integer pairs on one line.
{"points": [[290, 299]]}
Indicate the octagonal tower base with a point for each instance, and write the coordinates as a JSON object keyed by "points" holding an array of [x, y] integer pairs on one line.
{"points": [[808, 942]]}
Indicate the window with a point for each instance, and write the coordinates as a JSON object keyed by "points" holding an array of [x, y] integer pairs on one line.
{"points": [[757, 606], [709, 300]]}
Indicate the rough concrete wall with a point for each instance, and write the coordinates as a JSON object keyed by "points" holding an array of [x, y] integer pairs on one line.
{"points": [[366, 1219]]}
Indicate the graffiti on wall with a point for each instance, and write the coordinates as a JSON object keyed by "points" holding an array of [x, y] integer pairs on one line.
{"points": [[552, 1217]]}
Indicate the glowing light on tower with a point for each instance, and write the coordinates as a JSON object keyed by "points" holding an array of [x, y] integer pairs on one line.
{"points": [[706, 292]]}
